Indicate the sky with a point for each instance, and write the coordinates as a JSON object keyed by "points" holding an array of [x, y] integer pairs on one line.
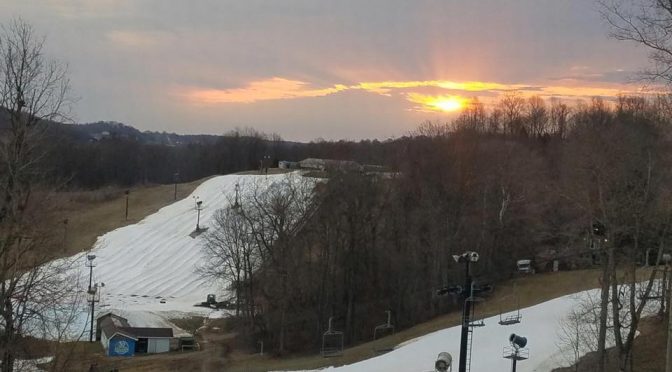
{"points": [[319, 69]]}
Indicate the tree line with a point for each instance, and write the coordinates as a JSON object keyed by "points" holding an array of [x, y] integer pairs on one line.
{"points": [[584, 184]]}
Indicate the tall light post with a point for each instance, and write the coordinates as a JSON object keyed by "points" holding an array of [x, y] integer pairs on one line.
{"points": [[236, 203], [199, 206], [92, 290], [176, 178], [65, 233], [90, 265], [127, 192]]}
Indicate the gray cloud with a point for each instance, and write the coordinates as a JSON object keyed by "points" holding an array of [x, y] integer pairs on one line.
{"points": [[128, 57]]}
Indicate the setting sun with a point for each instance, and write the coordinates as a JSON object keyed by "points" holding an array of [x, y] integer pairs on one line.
{"points": [[441, 103], [449, 104]]}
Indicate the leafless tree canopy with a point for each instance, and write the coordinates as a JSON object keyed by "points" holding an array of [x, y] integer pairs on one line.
{"points": [[646, 22], [36, 296]]}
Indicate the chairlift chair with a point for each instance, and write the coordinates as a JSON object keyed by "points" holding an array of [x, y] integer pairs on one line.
{"points": [[384, 330], [475, 322], [510, 319], [332, 342], [513, 318]]}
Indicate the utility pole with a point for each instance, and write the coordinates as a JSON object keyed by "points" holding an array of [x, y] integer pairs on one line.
{"points": [[65, 234], [668, 359], [127, 192], [176, 177], [92, 290]]}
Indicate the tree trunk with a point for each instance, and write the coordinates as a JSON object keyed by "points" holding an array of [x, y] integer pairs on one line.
{"points": [[604, 304]]}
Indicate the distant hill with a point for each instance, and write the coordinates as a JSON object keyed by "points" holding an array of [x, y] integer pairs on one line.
{"points": [[111, 129]]}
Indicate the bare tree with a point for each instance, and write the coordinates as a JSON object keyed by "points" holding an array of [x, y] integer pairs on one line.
{"points": [[274, 213], [231, 255], [648, 23], [578, 331], [512, 106], [559, 118], [32, 90], [537, 116]]}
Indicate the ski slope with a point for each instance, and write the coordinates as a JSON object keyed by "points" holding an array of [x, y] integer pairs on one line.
{"points": [[541, 324], [157, 260]]}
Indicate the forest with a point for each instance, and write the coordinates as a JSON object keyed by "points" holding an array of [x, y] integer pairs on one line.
{"points": [[587, 185]]}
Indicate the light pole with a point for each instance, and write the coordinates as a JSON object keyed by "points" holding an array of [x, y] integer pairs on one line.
{"points": [[176, 177], [65, 233], [127, 192], [94, 296], [92, 290], [236, 204], [199, 206], [90, 265]]}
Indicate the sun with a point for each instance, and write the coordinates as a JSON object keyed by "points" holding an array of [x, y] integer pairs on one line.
{"points": [[440, 103], [448, 104]]}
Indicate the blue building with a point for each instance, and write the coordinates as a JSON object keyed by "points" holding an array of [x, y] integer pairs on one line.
{"points": [[120, 339]]}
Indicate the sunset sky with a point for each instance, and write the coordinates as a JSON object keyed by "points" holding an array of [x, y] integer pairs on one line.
{"points": [[309, 69]]}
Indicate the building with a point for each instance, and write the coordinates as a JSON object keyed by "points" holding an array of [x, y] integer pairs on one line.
{"points": [[329, 164], [120, 339], [284, 164]]}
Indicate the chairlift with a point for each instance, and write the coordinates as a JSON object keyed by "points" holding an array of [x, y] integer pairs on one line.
{"points": [[384, 330], [474, 322], [332, 342], [512, 318]]}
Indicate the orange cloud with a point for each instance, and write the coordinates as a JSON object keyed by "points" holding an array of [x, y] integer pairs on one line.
{"points": [[264, 90], [285, 89]]}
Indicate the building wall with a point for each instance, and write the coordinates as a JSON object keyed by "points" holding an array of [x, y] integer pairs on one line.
{"points": [[121, 346], [103, 340], [158, 345]]}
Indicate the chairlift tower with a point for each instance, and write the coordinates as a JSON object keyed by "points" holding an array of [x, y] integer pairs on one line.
{"points": [[236, 203], [468, 294]]}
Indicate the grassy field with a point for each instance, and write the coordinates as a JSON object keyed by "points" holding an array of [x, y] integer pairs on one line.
{"points": [[91, 214]]}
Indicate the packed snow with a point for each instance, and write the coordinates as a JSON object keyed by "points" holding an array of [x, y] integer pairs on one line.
{"points": [[150, 269]]}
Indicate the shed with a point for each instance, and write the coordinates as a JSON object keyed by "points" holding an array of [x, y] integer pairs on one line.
{"points": [[120, 339]]}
